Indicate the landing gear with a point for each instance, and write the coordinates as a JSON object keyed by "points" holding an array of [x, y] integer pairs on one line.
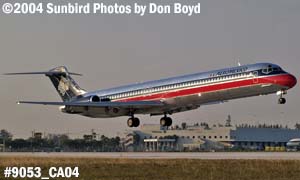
{"points": [[281, 100], [166, 121], [133, 122]]}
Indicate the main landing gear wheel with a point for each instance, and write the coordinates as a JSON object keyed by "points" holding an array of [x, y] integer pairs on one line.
{"points": [[281, 101], [166, 121], [133, 122]]}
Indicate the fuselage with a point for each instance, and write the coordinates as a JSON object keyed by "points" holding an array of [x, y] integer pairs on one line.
{"points": [[189, 92]]}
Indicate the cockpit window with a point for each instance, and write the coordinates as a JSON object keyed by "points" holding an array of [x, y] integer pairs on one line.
{"points": [[270, 69], [267, 70]]}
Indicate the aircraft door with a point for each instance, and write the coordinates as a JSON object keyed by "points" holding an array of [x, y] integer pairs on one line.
{"points": [[255, 76]]}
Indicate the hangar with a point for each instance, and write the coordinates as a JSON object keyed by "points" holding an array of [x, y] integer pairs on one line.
{"points": [[202, 137]]}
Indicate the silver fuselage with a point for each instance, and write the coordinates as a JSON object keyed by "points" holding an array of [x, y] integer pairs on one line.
{"points": [[189, 92]]}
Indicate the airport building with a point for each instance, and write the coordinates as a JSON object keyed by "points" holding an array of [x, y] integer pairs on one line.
{"points": [[201, 137]]}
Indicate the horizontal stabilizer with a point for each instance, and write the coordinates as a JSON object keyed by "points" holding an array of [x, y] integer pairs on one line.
{"points": [[49, 73]]}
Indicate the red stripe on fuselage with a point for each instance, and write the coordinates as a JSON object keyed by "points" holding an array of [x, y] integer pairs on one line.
{"points": [[274, 79]]}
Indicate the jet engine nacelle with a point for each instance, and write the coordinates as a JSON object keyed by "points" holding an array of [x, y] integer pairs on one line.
{"points": [[95, 99], [98, 99]]}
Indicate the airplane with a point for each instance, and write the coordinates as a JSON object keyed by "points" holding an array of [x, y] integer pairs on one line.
{"points": [[167, 96]]}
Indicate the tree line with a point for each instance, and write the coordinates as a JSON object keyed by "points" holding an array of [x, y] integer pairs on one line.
{"points": [[59, 143]]}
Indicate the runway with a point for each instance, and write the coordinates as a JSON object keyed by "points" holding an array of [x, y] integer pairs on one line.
{"points": [[166, 155]]}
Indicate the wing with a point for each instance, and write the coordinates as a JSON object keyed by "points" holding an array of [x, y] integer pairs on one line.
{"points": [[131, 104]]}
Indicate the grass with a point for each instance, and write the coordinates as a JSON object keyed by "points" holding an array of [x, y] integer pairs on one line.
{"points": [[156, 169]]}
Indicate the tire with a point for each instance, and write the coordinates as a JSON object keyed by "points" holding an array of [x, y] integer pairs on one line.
{"points": [[282, 101], [169, 121], [136, 122], [130, 122], [163, 121]]}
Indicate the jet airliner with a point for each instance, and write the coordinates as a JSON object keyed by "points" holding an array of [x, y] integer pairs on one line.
{"points": [[167, 96]]}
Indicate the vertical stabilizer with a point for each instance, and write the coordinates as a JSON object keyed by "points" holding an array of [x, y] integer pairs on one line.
{"points": [[66, 87]]}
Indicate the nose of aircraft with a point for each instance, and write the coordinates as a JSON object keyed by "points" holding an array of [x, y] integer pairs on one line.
{"points": [[286, 80], [291, 81]]}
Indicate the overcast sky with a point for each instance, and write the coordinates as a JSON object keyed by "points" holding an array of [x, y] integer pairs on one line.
{"points": [[117, 50]]}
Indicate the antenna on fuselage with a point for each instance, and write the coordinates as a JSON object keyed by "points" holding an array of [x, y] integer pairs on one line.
{"points": [[239, 63]]}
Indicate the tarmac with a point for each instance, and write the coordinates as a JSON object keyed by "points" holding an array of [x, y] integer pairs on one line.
{"points": [[163, 155]]}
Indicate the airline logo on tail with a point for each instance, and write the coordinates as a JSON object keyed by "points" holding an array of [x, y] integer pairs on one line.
{"points": [[63, 86]]}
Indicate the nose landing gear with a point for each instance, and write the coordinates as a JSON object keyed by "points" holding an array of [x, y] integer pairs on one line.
{"points": [[281, 100]]}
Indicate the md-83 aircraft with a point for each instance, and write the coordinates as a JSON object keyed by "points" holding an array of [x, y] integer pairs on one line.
{"points": [[167, 96]]}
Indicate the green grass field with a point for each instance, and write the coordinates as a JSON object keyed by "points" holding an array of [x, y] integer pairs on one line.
{"points": [[177, 169]]}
